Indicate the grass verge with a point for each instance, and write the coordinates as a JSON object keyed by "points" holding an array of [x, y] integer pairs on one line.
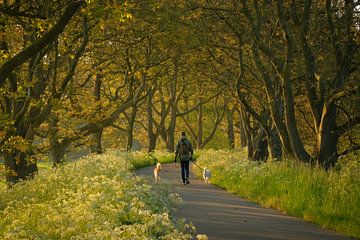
{"points": [[331, 199]]}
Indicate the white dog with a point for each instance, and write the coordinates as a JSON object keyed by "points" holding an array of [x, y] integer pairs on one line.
{"points": [[206, 175], [157, 170]]}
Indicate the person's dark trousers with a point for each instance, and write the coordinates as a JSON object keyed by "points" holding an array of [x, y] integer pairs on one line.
{"points": [[185, 171]]}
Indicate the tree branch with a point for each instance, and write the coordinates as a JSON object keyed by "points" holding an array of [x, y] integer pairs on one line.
{"points": [[16, 13], [340, 130], [347, 151], [21, 57]]}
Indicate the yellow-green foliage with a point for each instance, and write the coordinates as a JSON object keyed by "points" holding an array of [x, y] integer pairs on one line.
{"points": [[141, 159], [96, 197], [331, 198]]}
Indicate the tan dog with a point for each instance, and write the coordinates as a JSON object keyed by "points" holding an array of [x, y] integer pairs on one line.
{"points": [[157, 170]]}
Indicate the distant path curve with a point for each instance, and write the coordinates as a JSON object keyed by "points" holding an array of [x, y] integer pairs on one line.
{"points": [[223, 216]]}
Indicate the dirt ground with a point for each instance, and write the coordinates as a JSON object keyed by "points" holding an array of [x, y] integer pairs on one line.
{"points": [[223, 216]]}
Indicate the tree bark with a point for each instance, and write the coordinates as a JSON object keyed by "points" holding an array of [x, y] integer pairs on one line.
{"points": [[312, 85], [199, 138], [249, 139], [275, 101], [152, 143], [344, 49], [275, 146], [285, 74], [230, 127], [130, 128], [243, 142], [170, 140], [96, 146], [58, 147], [152, 137], [260, 146], [327, 138]]}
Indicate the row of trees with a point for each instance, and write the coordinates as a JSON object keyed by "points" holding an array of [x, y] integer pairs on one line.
{"points": [[294, 66], [281, 74]]}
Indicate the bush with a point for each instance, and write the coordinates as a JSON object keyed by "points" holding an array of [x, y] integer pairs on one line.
{"points": [[140, 159]]}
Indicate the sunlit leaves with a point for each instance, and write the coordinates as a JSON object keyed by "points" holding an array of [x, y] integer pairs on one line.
{"points": [[16, 143]]}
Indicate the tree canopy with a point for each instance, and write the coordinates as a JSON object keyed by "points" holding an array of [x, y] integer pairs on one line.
{"points": [[280, 78]]}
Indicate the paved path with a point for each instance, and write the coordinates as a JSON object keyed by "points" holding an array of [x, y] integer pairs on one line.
{"points": [[222, 215]]}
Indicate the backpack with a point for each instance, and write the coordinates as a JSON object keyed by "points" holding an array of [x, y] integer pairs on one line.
{"points": [[183, 147]]}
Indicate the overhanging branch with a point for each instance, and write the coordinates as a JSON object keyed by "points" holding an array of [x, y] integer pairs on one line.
{"points": [[24, 55]]}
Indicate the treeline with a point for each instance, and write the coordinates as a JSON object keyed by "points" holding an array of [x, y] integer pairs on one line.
{"points": [[279, 78], [295, 69]]}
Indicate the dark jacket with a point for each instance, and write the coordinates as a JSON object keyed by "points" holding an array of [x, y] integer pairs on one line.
{"points": [[184, 157]]}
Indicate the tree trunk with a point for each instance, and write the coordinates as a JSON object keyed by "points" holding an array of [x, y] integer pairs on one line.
{"points": [[58, 151], [277, 114], [327, 138], [130, 129], [150, 124], [96, 146], [152, 143], [242, 135], [275, 101], [284, 72], [274, 145], [260, 146], [199, 126], [249, 142], [55, 152], [18, 167], [296, 143], [57, 156], [243, 142], [21, 165], [230, 127], [170, 140]]}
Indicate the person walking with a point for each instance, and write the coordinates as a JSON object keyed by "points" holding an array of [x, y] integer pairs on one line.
{"points": [[184, 152]]}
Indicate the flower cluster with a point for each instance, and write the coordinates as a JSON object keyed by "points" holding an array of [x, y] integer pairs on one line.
{"points": [[96, 197]]}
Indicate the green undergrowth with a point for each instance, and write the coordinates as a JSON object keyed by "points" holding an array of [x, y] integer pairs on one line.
{"points": [[96, 197], [144, 159], [331, 199]]}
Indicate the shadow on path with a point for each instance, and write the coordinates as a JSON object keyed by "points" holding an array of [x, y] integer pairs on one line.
{"points": [[222, 215]]}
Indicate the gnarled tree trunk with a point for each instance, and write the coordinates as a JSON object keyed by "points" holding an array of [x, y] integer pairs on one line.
{"points": [[327, 138], [260, 146]]}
